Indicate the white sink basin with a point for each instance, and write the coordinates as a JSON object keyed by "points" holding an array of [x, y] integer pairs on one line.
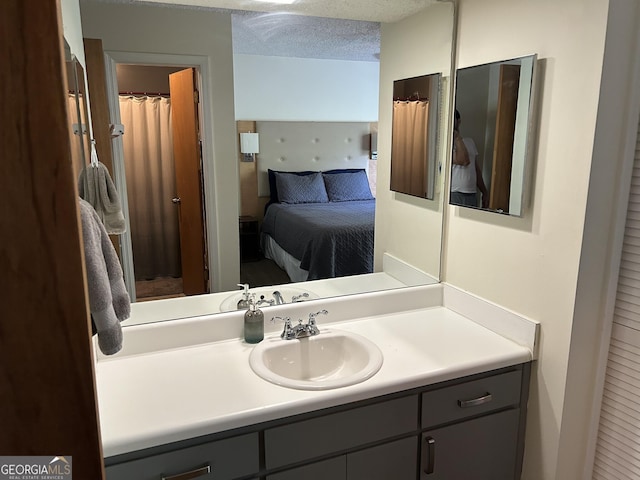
{"points": [[328, 360], [231, 302]]}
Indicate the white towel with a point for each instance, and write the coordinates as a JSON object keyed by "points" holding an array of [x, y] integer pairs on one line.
{"points": [[109, 301], [96, 187]]}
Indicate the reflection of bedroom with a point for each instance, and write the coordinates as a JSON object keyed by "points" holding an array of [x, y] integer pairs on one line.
{"points": [[311, 189], [332, 131], [315, 138]]}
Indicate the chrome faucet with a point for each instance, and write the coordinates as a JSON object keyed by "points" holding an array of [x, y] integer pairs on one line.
{"points": [[278, 298], [301, 330]]}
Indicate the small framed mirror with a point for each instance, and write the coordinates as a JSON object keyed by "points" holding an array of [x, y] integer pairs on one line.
{"points": [[414, 135], [491, 135]]}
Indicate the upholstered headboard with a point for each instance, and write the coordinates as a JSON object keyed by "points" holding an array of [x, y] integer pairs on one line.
{"points": [[319, 146]]}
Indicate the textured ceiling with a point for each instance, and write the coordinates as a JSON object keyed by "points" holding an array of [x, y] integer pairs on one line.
{"points": [[367, 10], [329, 29], [286, 35]]}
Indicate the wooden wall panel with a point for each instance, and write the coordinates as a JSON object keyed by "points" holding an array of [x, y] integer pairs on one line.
{"points": [[99, 102], [47, 384], [250, 203], [97, 83]]}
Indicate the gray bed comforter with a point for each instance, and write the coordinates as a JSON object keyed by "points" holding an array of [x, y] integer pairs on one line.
{"points": [[329, 239]]}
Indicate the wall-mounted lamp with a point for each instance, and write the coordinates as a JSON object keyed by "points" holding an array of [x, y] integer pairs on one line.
{"points": [[249, 146], [373, 146]]}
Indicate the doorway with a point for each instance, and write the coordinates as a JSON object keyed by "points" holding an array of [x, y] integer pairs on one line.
{"points": [[163, 170]]}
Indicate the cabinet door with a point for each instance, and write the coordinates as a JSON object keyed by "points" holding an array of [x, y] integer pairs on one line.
{"points": [[334, 469], [396, 460], [481, 449]]}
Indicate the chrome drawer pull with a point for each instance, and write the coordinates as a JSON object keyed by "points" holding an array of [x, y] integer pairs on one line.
{"points": [[476, 401], [198, 472]]}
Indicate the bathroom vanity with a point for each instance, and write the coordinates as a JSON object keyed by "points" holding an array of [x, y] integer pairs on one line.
{"points": [[448, 402]]}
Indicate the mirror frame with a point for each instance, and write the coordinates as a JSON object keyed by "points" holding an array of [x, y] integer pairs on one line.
{"points": [[519, 129], [405, 166]]}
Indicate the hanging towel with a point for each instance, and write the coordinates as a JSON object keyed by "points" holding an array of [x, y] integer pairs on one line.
{"points": [[109, 301], [96, 187]]}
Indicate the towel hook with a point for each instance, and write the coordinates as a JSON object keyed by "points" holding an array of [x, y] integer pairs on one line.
{"points": [[94, 153]]}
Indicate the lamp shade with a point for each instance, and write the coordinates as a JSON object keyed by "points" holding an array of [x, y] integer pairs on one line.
{"points": [[249, 143]]}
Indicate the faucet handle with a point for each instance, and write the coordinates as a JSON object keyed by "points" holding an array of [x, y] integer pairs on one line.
{"points": [[312, 316], [287, 331], [286, 320], [297, 298]]}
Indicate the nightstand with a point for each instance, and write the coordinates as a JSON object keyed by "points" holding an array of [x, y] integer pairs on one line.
{"points": [[249, 239]]}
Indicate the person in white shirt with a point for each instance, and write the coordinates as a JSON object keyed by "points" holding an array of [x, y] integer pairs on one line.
{"points": [[466, 171]]}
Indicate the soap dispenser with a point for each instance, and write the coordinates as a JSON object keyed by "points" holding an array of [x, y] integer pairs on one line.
{"points": [[243, 303], [253, 322]]}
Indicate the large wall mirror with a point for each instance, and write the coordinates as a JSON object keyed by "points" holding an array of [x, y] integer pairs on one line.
{"points": [[157, 34], [413, 138], [491, 135]]}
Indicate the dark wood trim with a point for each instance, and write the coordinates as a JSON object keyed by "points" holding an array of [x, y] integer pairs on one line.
{"points": [[97, 85], [100, 116], [47, 381]]}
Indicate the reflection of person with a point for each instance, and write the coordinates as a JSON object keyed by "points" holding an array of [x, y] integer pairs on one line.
{"points": [[466, 174]]}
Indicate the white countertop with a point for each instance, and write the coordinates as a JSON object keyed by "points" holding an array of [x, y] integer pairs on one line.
{"points": [[157, 397]]}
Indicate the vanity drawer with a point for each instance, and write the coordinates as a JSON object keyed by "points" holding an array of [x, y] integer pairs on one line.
{"points": [[230, 458], [341, 431], [471, 398]]}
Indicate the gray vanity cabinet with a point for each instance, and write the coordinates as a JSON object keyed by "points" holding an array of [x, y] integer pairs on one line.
{"points": [[334, 469], [340, 432], [471, 427], [394, 460], [461, 436], [481, 449], [225, 459]]}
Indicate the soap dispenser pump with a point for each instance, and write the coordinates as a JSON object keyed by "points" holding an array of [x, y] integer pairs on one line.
{"points": [[253, 322], [243, 303]]}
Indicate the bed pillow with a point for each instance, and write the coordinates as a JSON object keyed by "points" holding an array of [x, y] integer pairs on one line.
{"points": [[343, 170], [294, 188], [347, 186], [273, 188]]}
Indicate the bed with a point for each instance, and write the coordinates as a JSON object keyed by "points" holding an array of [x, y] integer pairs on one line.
{"points": [[320, 224]]}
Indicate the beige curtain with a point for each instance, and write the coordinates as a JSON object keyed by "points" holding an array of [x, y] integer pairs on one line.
{"points": [[149, 168], [409, 147]]}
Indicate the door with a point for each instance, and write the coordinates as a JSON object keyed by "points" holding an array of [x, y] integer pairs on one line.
{"points": [[334, 468], [479, 449], [188, 170], [396, 460], [505, 130]]}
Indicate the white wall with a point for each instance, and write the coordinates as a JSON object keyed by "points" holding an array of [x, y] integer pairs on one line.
{"points": [[410, 227], [72, 28], [140, 28], [303, 89], [537, 265]]}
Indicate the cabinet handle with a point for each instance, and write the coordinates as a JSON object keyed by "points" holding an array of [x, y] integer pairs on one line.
{"points": [[198, 472], [486, 398], [429, 455]]}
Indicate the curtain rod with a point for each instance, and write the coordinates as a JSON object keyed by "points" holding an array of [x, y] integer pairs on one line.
{"points": [[146, 94], [411, 99]]}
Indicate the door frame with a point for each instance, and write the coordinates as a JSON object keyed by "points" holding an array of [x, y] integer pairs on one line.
{"points": [[201, 64]]}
